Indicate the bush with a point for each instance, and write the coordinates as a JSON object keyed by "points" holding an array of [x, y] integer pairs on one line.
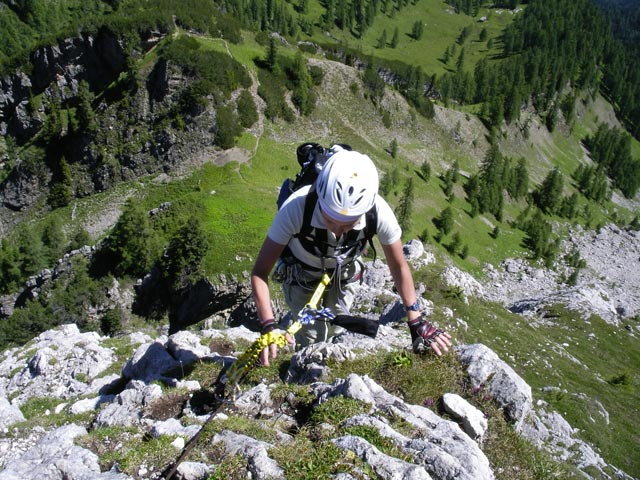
{"points": [[111, 321], [247, 111], [317, 75], [229, 128], [131, 247]]}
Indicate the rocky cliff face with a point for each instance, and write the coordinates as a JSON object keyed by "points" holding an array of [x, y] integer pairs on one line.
{"points": [[123, 145], [608, 285], [96, 59]]}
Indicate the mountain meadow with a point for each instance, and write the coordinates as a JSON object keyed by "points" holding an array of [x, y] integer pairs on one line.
{"points": [[144, 144]]}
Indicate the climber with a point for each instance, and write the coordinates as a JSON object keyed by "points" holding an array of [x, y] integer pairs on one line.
{"points": [[338, 206]]}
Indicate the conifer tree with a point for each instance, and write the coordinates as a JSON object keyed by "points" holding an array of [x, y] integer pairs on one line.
{"points": [[30, 251], [417, 30], [549, 195], [131, 245], [520, 182], [271, 59], [53, 239], [247, 111], [382, 40], [460, 61], [444, 222], [395, 38], [61, 192], [405, 205], [393, 148], [10, 274], [425, 170], [85, 115], [181, 264], [228, 127]]}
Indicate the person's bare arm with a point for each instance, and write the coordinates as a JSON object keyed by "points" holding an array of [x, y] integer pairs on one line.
{"points": [[401, 273], [403, 280], [267, 257]]}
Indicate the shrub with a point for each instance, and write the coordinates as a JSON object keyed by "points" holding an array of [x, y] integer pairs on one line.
{"points": [[247, 112], [111, 321]]}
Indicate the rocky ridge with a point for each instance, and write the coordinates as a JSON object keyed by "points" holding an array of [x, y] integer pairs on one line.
{"points": [[77, 368]]}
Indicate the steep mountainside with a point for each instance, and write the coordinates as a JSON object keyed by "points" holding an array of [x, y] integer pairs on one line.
{"points": [[140, 161]]}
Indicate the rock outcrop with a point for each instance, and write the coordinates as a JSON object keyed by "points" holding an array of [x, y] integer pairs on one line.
{"points": [[437, 449], [78, 369], [608, 285]]}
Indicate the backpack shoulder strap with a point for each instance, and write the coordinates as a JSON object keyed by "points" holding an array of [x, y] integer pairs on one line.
{"points": [[319, 237], [372, 228]]}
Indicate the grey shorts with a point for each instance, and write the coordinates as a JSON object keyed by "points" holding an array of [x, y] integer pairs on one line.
{"points": [[298, 288]]}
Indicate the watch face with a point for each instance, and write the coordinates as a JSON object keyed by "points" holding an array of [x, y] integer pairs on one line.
{"points": [[415, 307]]}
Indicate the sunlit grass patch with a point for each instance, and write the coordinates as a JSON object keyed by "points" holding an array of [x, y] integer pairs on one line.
{"points": [[129, 450]]}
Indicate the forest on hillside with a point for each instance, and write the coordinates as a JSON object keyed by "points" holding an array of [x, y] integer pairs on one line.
{"points": [[550, 47]]}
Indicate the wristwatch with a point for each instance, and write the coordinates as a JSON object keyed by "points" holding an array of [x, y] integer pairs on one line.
{"points": [[413, 308]]}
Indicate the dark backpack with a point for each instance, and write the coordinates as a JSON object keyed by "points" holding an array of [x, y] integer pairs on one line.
{"points": [[311, 158]]}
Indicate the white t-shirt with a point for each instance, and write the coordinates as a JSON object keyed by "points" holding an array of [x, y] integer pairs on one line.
{"points": [[288, 222]]}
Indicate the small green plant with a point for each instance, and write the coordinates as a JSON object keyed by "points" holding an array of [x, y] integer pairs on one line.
{"points": [[111, 321], [455, 292], [402, 360], [337, 409]]}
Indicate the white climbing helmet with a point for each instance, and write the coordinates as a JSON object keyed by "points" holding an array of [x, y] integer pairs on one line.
{"points": [[347, 185]]}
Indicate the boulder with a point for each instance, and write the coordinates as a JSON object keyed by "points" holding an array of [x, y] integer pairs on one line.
{"points": [[505, 386]]}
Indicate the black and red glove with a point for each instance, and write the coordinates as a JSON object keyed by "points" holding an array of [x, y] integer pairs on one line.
{"points": [[423, 334]]}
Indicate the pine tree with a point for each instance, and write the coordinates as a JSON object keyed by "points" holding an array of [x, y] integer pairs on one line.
{"points": [[393, 148], [446, 56], [396, 38], [131, 245], [538, 238], [85, 115], [228, 127], [10, 274], [444, 222], [271, 59], [454, 245], [53, 239], [460, 61], [549, 195], [30, 251], [303, 96], [181, 264], [569, 206], [405, 205], [417, 30], [520, 183], [247, 111], [425, 170], [61, 192], [382, 40]]}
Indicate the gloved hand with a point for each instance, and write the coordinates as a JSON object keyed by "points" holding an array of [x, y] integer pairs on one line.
{"points": [[271, 351], [425, 335]]}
